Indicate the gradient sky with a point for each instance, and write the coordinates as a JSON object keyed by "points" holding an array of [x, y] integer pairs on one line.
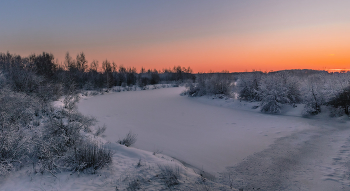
{"points": [[234, 35]]}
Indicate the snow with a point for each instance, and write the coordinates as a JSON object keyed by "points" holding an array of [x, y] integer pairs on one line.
{"points": [[240, 146], [194, 130], [117, 176]]}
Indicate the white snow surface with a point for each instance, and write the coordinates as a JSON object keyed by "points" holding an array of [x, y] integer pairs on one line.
{"points": [[207, 134], [124, 170]]}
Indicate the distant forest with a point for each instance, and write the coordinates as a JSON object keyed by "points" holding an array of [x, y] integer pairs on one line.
{"points": [[28, 73]]}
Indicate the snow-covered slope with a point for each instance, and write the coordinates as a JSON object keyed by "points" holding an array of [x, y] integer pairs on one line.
{"points": [[131, 169]]}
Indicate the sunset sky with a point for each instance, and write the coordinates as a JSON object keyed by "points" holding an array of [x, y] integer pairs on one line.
{"points": [[233, 35]]}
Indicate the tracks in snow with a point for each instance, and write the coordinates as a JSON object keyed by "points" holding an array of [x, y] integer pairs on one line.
{"points": [[317, 159]]}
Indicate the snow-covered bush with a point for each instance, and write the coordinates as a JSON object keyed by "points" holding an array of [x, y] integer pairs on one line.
{"points": [[248, 86], [14, 149], [311, 108], [89, 156], [219, 84], [278, 89], [314, 92], [129, 139], [192, 90], [170, 175], [49, 92], [17, 113], [62, 146], [17, 109], [100, 130], [210, 84], [342, 100]]}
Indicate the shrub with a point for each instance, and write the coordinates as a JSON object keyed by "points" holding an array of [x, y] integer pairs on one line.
{"points": [[271, 107], [17, 114], [129, 140], [62, 146], [25, 81], [90, 155], [342, 100], [14, 150], [192, 90], [311, 109], [248, 86], [170, 175], [219, 84], [49, 92], [100, 130], [276, 90], [210, 84]]}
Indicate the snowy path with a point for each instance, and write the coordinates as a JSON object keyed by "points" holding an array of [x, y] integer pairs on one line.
{"points": [[310, 160], [205, 136]]}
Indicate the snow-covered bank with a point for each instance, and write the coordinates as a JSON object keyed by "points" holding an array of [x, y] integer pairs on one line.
{"points": [[203, 135], [131, 169]]}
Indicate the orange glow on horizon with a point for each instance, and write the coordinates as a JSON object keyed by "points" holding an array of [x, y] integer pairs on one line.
{"points": [[338, 70], [314, 47]]}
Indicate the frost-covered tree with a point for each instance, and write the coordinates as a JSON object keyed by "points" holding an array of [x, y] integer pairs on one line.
{"points": [[336, 83], [44, 64], [277, 89], [342, 100], [248, 86], [81, 62], [17, 113], [108, 68], [198, 88], [314, 92], [211, 84], [219, 84]]}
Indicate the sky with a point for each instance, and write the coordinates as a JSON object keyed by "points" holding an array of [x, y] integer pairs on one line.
{"points": [[231, 35]]}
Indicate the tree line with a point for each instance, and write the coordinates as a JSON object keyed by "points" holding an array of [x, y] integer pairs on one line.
{"points": [[27, 73], [274, 90]]}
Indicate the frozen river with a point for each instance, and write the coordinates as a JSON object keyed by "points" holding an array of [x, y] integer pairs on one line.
{"points": [[203, 135]]}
